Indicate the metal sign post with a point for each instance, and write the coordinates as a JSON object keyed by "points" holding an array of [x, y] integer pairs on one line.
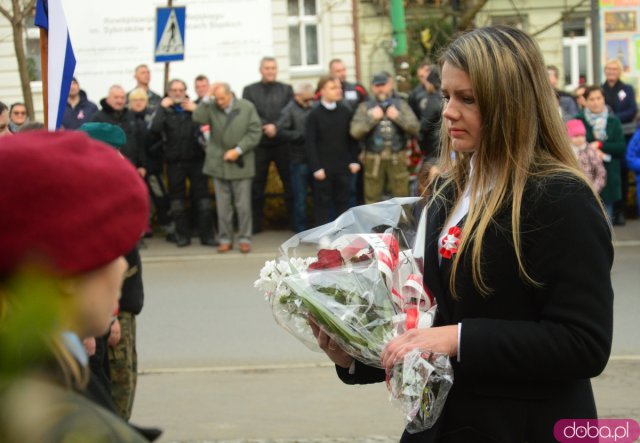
{"points": [[170, 33]]}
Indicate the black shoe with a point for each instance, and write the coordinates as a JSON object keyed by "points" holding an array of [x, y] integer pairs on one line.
{"points": [[208, 242], [618, 219], [151, 434], [182, 241], [171, 238]]}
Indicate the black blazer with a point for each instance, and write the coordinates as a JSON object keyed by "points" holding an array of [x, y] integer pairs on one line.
{"points": [[526, 352]]}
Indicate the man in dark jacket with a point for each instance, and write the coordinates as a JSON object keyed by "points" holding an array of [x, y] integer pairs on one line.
{"points": [[79, 109], [291, 127], [185, 158], [568, 105], [116, 113], [269, 97], [621, 98], [430, 117], [352, 93], [423, 101]]}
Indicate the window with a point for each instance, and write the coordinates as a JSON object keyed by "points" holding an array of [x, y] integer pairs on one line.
{"points": [[576, 52], [303, 33]]}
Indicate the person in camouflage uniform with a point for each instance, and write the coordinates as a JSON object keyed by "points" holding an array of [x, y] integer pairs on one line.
{"points": [[123, 356], [383, 123]]}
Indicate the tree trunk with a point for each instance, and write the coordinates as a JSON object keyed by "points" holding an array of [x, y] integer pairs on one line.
{"points": [[21, 57], [17, 26]]}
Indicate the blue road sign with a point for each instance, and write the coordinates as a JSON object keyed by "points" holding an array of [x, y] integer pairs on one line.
{"points": [[170, 28]]}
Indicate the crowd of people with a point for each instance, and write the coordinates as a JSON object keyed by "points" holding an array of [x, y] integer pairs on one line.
{"points": [[332, 140], [345, 145]]}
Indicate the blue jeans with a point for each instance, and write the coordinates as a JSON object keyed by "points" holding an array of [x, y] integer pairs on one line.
{"points": [[301, 179]]}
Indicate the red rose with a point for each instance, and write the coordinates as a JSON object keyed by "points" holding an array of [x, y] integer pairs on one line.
{"points": [[327, 259]]}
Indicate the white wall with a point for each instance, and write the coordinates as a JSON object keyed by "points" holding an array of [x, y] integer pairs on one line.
{"points": [[225, 39], [375, 41]]}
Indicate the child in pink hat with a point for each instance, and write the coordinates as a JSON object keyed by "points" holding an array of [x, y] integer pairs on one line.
{"points": [[589, 160]]}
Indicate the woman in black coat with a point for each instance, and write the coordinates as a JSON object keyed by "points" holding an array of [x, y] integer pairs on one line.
{"points": [[525, 299]]}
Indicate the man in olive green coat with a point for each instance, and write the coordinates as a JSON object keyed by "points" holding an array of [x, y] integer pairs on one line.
{"points": [[235, 131]]}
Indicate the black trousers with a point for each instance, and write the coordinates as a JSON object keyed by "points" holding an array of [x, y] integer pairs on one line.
{"points": [[332, 196], [263, 158], [179, 172]]}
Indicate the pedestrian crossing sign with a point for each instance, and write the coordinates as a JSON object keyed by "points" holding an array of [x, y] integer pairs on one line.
{"points": [[170, 27]]}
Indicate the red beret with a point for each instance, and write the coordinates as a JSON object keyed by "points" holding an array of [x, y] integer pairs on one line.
{"points": [[68, 200]]}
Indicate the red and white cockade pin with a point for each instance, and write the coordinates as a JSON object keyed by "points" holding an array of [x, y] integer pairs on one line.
{"points": [[450, 242]]}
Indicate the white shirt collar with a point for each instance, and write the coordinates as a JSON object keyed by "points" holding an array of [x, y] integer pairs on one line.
{"points": [[330, 106]]}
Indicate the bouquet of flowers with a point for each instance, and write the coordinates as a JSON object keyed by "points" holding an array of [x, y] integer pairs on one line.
{"points": [[360, 278]]}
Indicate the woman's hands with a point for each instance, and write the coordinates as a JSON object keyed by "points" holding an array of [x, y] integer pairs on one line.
{"points": [[442, 339], [333, 351]]}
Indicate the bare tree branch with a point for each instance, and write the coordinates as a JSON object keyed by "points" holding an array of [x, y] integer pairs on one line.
{"points": [[4, 12], [468, 17], [16, 18], [518, 13], [28, 8], [563, 16]]}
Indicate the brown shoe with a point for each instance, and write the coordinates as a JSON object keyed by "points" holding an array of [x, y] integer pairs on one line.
{"points": [[245, 247], [225, 247]]}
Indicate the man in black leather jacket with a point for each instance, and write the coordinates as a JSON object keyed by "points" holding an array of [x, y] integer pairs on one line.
{"points": [[269, 97]]}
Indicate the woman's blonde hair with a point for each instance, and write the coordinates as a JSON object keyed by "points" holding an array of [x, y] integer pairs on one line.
{"points": [[522, 136], [138, 93], [615, 61]]}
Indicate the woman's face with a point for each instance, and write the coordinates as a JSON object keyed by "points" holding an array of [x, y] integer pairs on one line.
{"points": [[18, 114], [97, 294], [595, 102], [460, 110], [138, 104]]}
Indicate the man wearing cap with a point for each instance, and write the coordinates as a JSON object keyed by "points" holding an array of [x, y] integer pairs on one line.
{"points": [[383, 123]]}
